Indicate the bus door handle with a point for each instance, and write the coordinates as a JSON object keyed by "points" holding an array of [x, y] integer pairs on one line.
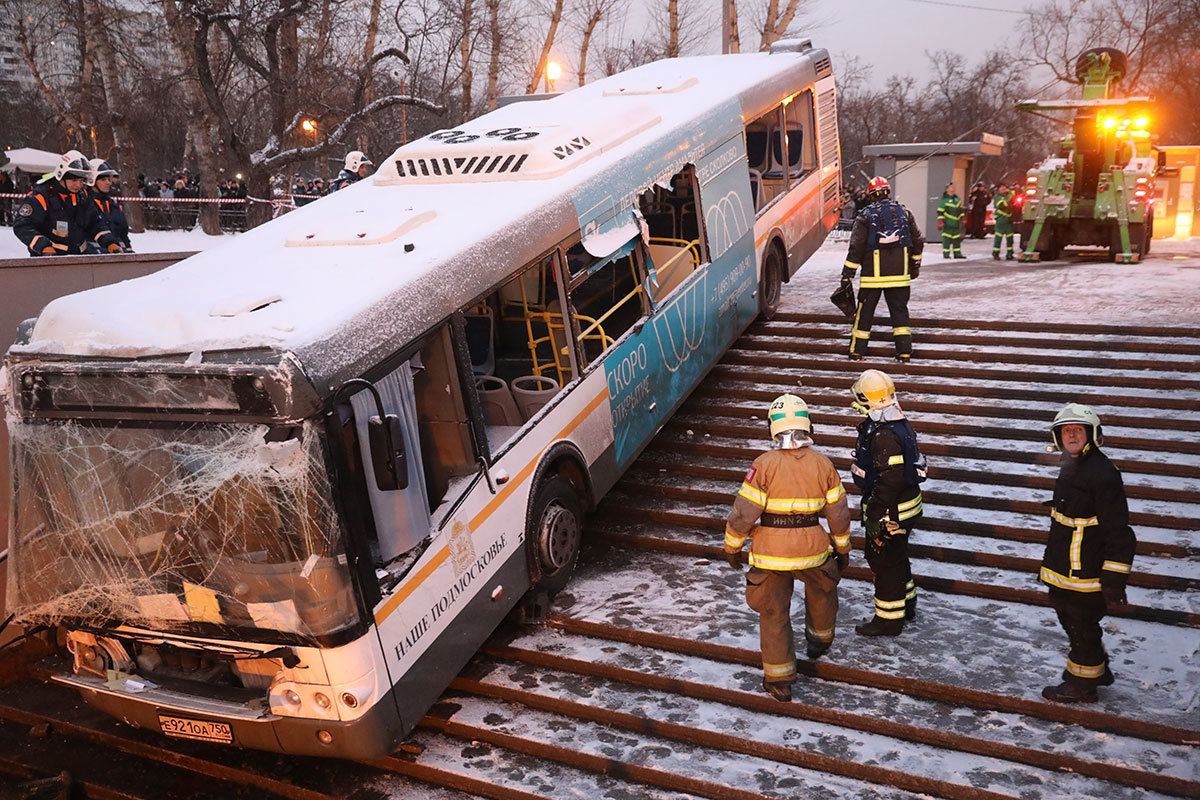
{"points": [[487, 476]]}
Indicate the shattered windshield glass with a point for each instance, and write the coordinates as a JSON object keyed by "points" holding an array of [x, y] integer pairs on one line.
{"points": [[167, 527]]}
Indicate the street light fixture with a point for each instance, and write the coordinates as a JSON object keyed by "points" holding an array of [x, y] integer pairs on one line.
{"points": [[553, 73], [308, 125]]}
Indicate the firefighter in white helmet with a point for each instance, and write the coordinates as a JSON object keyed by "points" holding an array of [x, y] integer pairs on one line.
{"points": [[354, 169], [888, 467], [779, 505], [1089, 553]]}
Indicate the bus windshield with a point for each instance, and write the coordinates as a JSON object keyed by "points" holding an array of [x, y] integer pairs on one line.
{"points": [[213, 529]]}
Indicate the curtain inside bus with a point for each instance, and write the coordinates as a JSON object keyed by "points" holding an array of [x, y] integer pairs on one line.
{"points": [[402, 516]]}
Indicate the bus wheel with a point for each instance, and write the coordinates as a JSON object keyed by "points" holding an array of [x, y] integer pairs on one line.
{"points": [[555, 534], [771, 285]]}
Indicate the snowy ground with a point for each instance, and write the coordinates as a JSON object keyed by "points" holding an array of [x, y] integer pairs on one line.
{"points": [[1082, 287]]}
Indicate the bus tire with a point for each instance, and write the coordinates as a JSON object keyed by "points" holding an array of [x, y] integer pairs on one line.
{"points": [[770, 286], [554, 534]]}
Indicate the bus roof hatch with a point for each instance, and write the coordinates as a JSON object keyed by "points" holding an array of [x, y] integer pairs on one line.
{"points": [[536, 146]]}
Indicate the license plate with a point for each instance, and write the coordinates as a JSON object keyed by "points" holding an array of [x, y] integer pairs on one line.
{"points": [[204, 730]]}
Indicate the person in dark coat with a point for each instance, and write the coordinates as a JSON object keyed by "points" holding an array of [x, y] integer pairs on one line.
{"points": [[978, 202], [886, 244], [889, 468], [1089, 553], [111, 210], [57, 218], [6, 187]]}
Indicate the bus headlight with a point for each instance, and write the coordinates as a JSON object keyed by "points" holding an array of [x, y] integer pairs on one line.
{"points": [[292, 698]]}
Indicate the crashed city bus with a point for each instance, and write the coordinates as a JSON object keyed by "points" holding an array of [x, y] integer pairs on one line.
{"points": [[278, 494]]}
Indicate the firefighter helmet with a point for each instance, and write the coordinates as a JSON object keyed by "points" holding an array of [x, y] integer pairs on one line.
{"points": [[788, 413], [72, 164], [1076, 414], [356, 159], [874, 389], [878, 187], [99, 168]]}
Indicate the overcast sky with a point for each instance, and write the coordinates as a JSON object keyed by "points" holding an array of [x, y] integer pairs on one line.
{"points": [[892, 35]]}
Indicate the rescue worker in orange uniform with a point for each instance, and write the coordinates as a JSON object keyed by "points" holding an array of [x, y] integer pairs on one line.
{"points": [[888, 467], [57, 218], [778, 505], [886, 244], [1089, 553]]}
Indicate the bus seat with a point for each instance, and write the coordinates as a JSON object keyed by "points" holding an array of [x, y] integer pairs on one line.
{"points": [[756, 189], [795, 151], [499, 405], [689, 228], [756, 148], [661, 223], [532, 392]]}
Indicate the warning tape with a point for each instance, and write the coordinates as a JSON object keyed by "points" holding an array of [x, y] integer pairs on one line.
{"points": [[285, 201]]}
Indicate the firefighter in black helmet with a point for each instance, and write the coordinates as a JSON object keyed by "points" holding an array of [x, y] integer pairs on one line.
{"points": [[1089, 553], [886, 244]]}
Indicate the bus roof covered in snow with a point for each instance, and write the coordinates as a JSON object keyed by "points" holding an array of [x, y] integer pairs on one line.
{"points": [[341, 282]]}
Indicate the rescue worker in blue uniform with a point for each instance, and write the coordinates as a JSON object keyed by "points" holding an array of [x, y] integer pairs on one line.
{"points": [[354, 169], [889, 468], [112, 212], [778, 505], [1090, 551], [57, 218], [886, 244]]}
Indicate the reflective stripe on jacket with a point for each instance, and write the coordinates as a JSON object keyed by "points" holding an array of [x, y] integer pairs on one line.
{"points": [[1090, 542], [800, 482]]}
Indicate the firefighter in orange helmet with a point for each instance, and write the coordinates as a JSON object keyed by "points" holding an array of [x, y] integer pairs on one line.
{"points": [[778, 505]]}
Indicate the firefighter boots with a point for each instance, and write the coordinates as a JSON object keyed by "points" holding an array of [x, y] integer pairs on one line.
{"points": [[780, 690], [815, 651], [1070, 693], [910, 610], [877, 626]]}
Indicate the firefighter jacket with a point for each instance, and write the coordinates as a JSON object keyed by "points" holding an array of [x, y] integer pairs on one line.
{"points": [[50, 216], [889, 468], [950, 214], [886, 243], [112, 214], [344, 179], [797, 482], [1091, 544], [1003, 209]]}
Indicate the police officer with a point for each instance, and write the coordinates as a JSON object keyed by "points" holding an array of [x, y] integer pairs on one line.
{"points": [[888, 467], [950, 216], [1089, 553], [57, 218], [886, 243], [353, 170], [778, 505], [112, 212], [978, 201], [1002, 207]]}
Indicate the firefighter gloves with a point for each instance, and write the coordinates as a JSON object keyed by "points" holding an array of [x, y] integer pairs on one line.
{"points": [[843, 561], [1113, 595], [736, 559]]}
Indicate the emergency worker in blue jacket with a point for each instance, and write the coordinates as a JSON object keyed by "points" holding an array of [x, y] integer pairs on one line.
{"points": [[354, 169], [886, 244], [888, 467], [1089, 553], [112, 212], [57, 218]]}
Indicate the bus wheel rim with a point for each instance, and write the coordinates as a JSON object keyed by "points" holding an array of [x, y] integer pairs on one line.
{"points": [[558, 537]]}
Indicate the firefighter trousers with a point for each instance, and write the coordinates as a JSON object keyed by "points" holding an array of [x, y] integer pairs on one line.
{"points": [[952, 245], [1080, 613], [897, 303], [895, 590], [1008, 240], [769, 592]]}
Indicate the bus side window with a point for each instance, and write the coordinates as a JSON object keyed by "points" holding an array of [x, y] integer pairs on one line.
{"points": [[606, 297], [801, 139], [447, 451], [519, 349], [675, 246]]}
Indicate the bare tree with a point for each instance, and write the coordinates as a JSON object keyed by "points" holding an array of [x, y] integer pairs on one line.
{"points": [[493, 78], [465, 50], [735, 41], [543, 59], [592, 11]]}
